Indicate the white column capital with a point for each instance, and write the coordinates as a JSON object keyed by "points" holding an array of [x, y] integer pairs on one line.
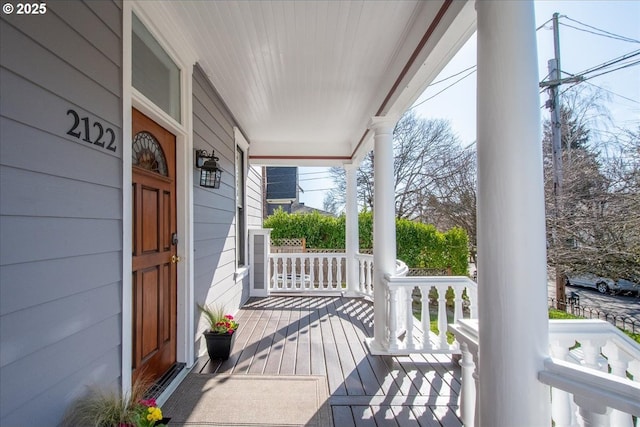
{"points": [[383, 124]]}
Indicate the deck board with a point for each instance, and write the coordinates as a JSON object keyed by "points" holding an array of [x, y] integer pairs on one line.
{"points": [[316, 335]]}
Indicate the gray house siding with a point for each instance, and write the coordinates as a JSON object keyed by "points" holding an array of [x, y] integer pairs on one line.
{"points": [[254, 197], [61, 209], [214, 209]]}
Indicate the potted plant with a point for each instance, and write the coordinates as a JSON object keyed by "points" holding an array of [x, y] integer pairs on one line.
{"points": [[109, 408], [221, 333]]}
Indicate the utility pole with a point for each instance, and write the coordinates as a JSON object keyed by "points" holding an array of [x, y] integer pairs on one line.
{"points": [[556, 144], [553, 103]]}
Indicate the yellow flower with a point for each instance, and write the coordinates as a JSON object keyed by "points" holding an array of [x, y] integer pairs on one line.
{"points": [[155, 414]]}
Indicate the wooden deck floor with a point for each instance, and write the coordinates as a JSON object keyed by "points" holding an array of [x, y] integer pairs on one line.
{"points": [[299, 335]]}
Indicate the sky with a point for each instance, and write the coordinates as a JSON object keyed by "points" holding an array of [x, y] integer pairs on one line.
{"points": [[579, 50]]}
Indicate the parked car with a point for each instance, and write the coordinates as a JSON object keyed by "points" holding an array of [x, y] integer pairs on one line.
{"points": [[588, 280], [629, 286], [602, 284]]}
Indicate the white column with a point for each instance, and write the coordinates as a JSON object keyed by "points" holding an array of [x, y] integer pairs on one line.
{"points": [[511, 219], [352, 236], [384, 225]]}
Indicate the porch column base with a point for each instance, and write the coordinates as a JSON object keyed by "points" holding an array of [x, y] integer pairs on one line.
{"points": [[375, 348], [351, 294]]}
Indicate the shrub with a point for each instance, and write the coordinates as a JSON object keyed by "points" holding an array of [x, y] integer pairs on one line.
{"points": [[418, 245]]}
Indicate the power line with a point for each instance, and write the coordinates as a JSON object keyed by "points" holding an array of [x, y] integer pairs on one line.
{"points": [[299, 180], [452, 76], [589, 70], [318, 189], [606, 33], [438, 93], [311, 173], [600, 87], [543, 24], [610, 62], [612, 92], [615, 69]]}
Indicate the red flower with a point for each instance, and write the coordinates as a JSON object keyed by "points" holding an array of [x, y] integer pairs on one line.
{"points": [[149, 402], [228, 316]]}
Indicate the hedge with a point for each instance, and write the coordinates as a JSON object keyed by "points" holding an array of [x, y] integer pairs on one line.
{"points": [[418, 245]]}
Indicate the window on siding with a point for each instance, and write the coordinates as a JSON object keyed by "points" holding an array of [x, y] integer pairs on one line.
{"points": [[154, 73], [240, 220]]}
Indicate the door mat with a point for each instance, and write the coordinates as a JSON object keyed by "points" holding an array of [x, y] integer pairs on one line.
{"points": [[250, 400]]}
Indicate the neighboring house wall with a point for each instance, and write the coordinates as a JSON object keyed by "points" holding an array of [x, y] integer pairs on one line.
{"points": [[61, 210], [281, 188], [214, 209]]}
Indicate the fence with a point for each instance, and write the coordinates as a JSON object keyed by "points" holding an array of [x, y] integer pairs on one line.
{"points": [[572, 306]]}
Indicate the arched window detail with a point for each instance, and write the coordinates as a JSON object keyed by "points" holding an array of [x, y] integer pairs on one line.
{"points": [[147, 153]]}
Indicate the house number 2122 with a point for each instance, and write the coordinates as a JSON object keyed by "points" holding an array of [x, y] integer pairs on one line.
{"points": [[105, 137]]}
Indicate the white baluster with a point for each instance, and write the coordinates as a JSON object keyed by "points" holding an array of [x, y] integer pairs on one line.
{"points": [[468, 388], [368, 281], [476, 380], [619, 363], [592, 412], [410, 345], [361, 262], [393, 318], [592, 357], [291, 282], [321, 260], [270, 272], [561, 407], [303, 273], [442, 316], [276, 269], [457, 314], [330, 272], [473, 298], [426, 317], [339, 272], [312, 273]]}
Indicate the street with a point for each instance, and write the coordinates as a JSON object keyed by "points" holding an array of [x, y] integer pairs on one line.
{"points": [[618, 305]]}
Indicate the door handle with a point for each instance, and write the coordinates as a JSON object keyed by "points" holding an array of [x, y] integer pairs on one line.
{"points": [[175, 259]]}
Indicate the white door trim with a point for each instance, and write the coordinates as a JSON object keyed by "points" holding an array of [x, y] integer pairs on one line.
{"points": [[131, 98]]}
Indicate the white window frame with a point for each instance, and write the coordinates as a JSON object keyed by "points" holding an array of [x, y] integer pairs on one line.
{"points": [[241, 143]]}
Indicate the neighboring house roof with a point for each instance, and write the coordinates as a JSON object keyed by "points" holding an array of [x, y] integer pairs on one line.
{"points": [[301, 208]]}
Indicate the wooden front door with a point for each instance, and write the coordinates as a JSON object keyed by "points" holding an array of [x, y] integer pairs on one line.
{"points": [[154, 248]]}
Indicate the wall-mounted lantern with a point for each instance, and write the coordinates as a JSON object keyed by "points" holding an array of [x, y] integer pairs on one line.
{"points": [[210, 172]]}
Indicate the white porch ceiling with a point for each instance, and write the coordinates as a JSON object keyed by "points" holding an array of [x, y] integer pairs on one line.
{"points": [[303, 78]]}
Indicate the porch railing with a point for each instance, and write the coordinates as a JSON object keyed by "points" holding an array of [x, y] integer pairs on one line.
{"points": [[365, 273], [321, 272], [307, 272], [413, 303], [439, 299], [594, 372]]}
